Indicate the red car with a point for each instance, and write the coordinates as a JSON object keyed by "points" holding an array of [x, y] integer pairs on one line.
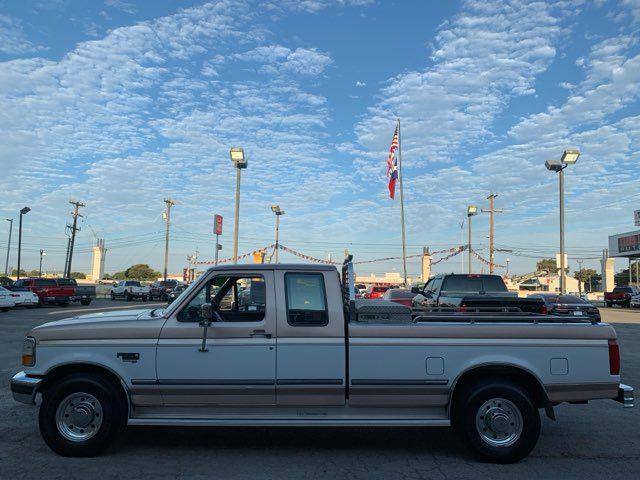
{"points": [[375, 291], [402, 296], [48, 290]]}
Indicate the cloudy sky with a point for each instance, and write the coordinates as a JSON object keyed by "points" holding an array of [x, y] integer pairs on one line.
{"points": [[121, 104]]}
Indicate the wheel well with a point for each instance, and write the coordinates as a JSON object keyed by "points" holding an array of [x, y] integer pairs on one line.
{"points": [[515, 374], [62, 371]]}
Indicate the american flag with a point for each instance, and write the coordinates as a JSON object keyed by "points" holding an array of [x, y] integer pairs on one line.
{"points": [[392, 165]]}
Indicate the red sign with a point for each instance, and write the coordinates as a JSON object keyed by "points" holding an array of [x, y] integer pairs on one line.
{"points": [[217, 224], [629, 243]]}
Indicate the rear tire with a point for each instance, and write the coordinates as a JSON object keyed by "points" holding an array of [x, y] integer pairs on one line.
{"points": [[498, 420], [91, 401], [85, 302], [127, 296], [609, 304], [113, 297]]}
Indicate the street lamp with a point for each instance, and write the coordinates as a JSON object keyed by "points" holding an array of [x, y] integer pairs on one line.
{"points": [[237, 157], [6, 263], [278, 211], [23, 211], [42, 254], [569, 157], [471, 211]]}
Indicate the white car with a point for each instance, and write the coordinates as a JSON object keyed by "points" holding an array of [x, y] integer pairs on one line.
{"points": [[6, 300], [128, 290], [24, 297], [635, 301]]}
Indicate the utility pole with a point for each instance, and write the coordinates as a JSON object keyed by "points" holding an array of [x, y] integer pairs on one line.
{"points": [[491, 211], [472, 210], [74, 229], [6, 263], [167, 217], [462, 243], [580, 276]]}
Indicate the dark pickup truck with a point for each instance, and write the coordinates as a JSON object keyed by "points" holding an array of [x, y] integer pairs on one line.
{"points": [[479, 293], [82, 293], [620, 296]]}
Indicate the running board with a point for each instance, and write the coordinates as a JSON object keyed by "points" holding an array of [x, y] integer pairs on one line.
{"points": [[294, 422]]}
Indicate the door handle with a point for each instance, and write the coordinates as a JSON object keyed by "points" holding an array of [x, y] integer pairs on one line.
{"points": [[259, 333]]}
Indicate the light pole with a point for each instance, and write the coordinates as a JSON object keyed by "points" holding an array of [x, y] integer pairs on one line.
{"points": [[507, 273], [42, 254], [237, 157], [167, 217], [462, 243], [23, 211], [580, 277], [6, 263], [471, 211], [278, 211], [569, 157]]}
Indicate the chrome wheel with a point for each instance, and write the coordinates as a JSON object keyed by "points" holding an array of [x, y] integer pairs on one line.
{"points": [[79, 416], [499, 422]]}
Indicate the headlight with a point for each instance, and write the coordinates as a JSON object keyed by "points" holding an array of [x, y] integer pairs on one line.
{"points": [[29, 352]]}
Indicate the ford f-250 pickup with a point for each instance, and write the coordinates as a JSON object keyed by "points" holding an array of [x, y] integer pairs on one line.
{"points": [[287, 345]]}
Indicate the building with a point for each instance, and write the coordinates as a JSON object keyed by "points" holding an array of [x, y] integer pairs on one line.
{"points": [[388, 278], [624, 245], [537, 282], [97, 261]]}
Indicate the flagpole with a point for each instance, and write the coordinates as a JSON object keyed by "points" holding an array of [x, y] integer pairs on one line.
{"points": [[404, 243]]}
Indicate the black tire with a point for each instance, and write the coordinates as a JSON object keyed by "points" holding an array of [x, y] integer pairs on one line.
{"points": [[476, 396], [85, 302], [63, 304], [608, 304], [113, 408], [127, 296], [113, 297], [144, 298], [5, 309]]}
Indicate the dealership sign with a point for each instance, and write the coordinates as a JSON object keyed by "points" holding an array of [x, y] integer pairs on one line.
{"points": [[625, 244]]}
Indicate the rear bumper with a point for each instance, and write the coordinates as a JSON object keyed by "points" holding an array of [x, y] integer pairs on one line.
{"points": [[24, 388], [625, 396]]}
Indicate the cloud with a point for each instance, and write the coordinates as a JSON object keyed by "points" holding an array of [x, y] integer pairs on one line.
{"points": [[126, 7], [13, 40], [276, 58], [360, 83]]}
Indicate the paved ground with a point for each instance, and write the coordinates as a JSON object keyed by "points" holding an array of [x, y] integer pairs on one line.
{"points": [[599, 440]]}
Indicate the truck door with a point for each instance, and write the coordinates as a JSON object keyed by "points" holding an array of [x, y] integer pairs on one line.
{"points": [[239, 364], [311, 367]]}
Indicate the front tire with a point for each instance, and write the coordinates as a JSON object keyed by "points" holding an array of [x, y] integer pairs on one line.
{"points": [[81, 415], [498, 420]]}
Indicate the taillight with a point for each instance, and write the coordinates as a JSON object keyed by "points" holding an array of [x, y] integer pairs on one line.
{"points": [[544, 310], [614, 358], [462, 308]]}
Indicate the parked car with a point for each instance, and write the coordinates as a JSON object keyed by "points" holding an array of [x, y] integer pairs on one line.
{"points": [[6, 300], [23, 297], [620, 296], [47, 290], [635, 301], [361, 287], [375, 291], [403, 296], [82, 293], [306, 354], [128, 290], [568, 305], [176, 292], [161, 289], [472, 292]]}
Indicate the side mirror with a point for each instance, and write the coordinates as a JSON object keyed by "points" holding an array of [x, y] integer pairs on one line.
{"points": [[415, 290], [206, 313]]}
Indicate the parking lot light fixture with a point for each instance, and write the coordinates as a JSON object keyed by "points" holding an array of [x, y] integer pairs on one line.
{"points": [[278, 211], [471, 211], [569, 157], [240, 162], [23, 211]]}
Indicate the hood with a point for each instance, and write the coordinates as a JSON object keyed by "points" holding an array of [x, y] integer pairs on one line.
{"points": [[122, 324]]}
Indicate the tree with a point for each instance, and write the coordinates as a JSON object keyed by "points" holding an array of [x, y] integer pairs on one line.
{"points": [[14, 272], [78, 275], [548, 265], [589, 277], [140, 271]]}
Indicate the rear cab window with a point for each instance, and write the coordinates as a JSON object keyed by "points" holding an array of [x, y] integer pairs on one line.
{"points": [[306, 299]]}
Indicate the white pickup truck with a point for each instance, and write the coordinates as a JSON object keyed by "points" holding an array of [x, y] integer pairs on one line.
{"points": [[128, 290], [287, 345]]}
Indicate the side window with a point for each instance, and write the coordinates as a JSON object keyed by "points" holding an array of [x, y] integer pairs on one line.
{"points": [[240, 299], [306, 300], [435, 286]]}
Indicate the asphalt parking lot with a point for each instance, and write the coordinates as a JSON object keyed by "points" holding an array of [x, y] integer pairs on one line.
{"points": [[598, 440]]}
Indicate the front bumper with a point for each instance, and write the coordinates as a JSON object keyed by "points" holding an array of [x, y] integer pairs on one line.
{"points": [[24, 388], [625, 396]]}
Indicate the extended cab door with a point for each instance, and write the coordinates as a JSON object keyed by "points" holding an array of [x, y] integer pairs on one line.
{"points": [[311, 367], [239, 364]]}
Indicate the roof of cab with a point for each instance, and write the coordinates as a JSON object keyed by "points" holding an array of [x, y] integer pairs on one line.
{"points": [[276, 266]]}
